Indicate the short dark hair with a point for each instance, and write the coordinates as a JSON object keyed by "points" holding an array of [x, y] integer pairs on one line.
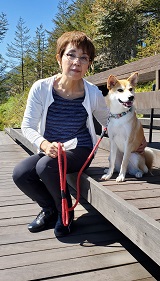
{"points": [[77, 38]]}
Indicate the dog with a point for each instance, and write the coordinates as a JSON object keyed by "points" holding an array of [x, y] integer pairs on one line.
{"points": [[128, 151]]}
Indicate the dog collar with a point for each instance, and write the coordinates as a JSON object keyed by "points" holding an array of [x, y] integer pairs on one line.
{"points": [[116, 116]]}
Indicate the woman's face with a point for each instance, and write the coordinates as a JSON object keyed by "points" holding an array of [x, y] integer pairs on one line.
{"points": [[74, 62]]}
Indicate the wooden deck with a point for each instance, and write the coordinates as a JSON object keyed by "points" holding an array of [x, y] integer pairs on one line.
{"points": [[96, 250]]}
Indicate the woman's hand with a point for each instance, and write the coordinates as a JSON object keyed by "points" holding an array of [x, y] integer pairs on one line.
{"points": [[50, 149]]}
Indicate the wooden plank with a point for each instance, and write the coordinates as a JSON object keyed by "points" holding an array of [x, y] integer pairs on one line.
{"points": [[145, 203], [139, 194], [52, 254], [153, 213], [127, 273], [133, 187], [7, 192], [4, 138], [63, 266], [9, 202], [147, 100]]}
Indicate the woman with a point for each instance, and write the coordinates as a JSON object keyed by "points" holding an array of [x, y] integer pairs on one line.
{"points": [[60, 109]]}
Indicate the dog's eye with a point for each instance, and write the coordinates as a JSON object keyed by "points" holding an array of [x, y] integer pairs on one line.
{"points": [[130, 89], [120, 90]]}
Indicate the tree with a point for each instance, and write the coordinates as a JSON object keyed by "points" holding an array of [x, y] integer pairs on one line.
{"points": [[18, 50], [60, 21], [38, 52], [76, 16], [3, 26], [118, 27], [81, 16], [151, 45], [3, 64], [61, 25], [117, 31]]}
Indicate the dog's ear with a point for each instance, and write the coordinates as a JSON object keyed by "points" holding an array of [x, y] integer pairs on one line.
{"points": [[133, 79], [111, 82]]}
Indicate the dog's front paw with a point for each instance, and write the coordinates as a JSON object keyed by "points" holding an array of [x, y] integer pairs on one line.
{"points": [[106, 177], [120, 178]]}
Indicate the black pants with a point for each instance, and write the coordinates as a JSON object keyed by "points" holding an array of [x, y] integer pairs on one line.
{"points": [[38, 176]]}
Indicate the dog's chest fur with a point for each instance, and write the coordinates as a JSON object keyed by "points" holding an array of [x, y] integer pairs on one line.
{"points": [[121, 129]]}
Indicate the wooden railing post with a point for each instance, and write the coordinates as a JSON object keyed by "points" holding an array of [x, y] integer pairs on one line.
{"points": [[151, 118], [154, 87], [157, 79], [151, 125]]}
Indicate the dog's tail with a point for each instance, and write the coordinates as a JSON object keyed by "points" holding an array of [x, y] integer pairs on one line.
{"points": [[149, 158]]}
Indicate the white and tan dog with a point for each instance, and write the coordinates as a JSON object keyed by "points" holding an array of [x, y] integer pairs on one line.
{"points": [[128, 152]]}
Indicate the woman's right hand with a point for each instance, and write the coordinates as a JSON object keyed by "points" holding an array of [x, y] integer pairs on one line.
{"points": [[50, 149]]}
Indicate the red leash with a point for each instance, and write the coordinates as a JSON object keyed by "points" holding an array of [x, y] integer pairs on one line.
{"points": [[62, 173]]}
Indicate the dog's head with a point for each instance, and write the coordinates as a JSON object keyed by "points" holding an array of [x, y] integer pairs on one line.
{"points": [[121, 92]]}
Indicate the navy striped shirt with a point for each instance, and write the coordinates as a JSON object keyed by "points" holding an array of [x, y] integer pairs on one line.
{"points": [[66, 119]]}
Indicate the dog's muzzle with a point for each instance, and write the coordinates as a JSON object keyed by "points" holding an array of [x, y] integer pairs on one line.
{"points": [[128, 103]]}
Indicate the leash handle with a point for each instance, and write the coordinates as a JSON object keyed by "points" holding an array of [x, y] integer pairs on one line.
{"points": [[62, 174]]}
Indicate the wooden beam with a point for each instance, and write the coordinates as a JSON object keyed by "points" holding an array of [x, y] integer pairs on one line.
{"points": [[147, 100], [146, 68], [17, 136]]}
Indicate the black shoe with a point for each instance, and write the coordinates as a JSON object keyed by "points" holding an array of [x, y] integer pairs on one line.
{"points": [[60, 230], [43, 220]]}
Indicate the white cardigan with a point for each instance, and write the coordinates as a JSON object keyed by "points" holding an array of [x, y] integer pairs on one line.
{"points": [[40, 98]]}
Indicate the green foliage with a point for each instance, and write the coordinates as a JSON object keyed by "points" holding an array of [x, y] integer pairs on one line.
{"points": [[11, 112], [145, 87], [150, 9], [81, 16]]}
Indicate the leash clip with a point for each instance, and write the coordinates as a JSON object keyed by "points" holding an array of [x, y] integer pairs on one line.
{"points": [[103, 133]]}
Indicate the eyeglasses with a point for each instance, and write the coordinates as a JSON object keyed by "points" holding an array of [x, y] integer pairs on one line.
{"points": [[82, 59]]}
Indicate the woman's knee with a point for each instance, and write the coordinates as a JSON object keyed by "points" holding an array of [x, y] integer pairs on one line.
{"points": [[47, 165], [18, 174], [24, 169]]}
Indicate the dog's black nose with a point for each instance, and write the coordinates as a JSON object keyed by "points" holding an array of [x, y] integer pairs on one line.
{"points": [[131, 98]]}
